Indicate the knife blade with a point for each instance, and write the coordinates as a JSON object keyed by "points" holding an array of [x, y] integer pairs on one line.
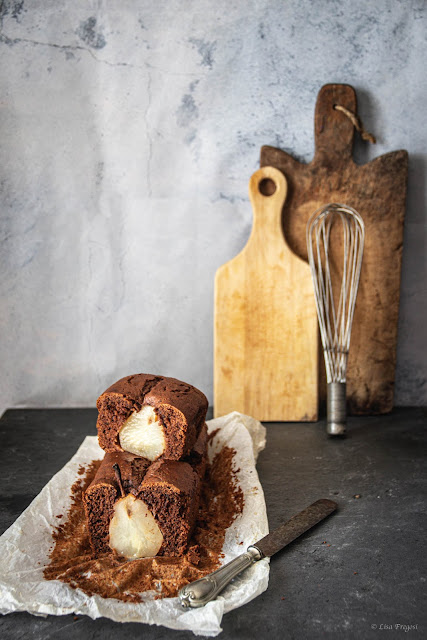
{"points": [[200, 592]]}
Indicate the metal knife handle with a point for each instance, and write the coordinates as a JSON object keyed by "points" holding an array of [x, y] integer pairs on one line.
{"points": [[200, 592]]}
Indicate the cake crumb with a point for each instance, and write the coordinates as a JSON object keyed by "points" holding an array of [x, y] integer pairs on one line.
{"points": [[193, 554]]}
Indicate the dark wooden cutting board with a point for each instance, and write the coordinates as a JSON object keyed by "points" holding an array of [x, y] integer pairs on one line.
{"points": [[377, 190]]}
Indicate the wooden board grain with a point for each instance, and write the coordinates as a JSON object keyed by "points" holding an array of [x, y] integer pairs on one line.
{"points": [[265, 326], [377, 190]]}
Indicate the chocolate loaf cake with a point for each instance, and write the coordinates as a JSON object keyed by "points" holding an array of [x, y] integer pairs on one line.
{"points": [[142, 509], [150, 416]]}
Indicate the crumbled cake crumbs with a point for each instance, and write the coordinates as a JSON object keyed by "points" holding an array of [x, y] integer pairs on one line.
{"points": [[111, 576]]}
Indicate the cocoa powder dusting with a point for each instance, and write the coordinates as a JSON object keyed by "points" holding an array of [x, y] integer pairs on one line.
{"points": [[111, 576]]}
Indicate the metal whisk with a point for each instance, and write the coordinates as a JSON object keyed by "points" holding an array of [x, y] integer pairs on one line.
{"points": [[335, 289]]}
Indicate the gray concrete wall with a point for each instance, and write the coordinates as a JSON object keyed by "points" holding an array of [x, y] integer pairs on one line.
{"points": [[128, 133]]}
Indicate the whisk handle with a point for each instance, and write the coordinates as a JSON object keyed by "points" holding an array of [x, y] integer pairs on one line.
{"points": [[336, 409]]}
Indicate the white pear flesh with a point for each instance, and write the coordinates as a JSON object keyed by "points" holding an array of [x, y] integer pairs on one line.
{"points": [[134, 533], [143, 434]]}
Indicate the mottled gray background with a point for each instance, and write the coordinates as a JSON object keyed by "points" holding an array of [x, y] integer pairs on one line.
{"points": [[129, 131]]}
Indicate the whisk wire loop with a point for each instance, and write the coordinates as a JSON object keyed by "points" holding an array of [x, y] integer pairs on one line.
{"points": [[335, 304]]}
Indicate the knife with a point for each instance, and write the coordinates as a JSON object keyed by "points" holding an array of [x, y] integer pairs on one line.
{"points": [[200, 592]]}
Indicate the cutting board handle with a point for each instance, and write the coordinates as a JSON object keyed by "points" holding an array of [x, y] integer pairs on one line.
{"points": [[267, 191], [333, 130], [266, 336]]}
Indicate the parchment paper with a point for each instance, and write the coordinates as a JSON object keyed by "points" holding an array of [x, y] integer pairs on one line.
{"points": [[25, 546]]}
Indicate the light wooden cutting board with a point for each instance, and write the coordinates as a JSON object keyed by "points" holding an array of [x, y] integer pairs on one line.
{"points": [[265, 327], [377, 190]]}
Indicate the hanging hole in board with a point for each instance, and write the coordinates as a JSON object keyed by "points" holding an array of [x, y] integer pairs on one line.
{"points": [[267, 187]]}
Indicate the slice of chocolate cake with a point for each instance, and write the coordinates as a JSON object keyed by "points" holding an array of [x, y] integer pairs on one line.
{"points": [[142, 509], [150, 416], [104, 491], [171, 491]]}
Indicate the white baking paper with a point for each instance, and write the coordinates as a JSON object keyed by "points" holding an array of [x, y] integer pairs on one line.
{"points": [[25, 546]]}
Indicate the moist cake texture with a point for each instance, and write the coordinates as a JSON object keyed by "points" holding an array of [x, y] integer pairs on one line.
{"points": [[178, 410]]}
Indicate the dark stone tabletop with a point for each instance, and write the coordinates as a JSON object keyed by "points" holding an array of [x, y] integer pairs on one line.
{"points": [[359, 574]]}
